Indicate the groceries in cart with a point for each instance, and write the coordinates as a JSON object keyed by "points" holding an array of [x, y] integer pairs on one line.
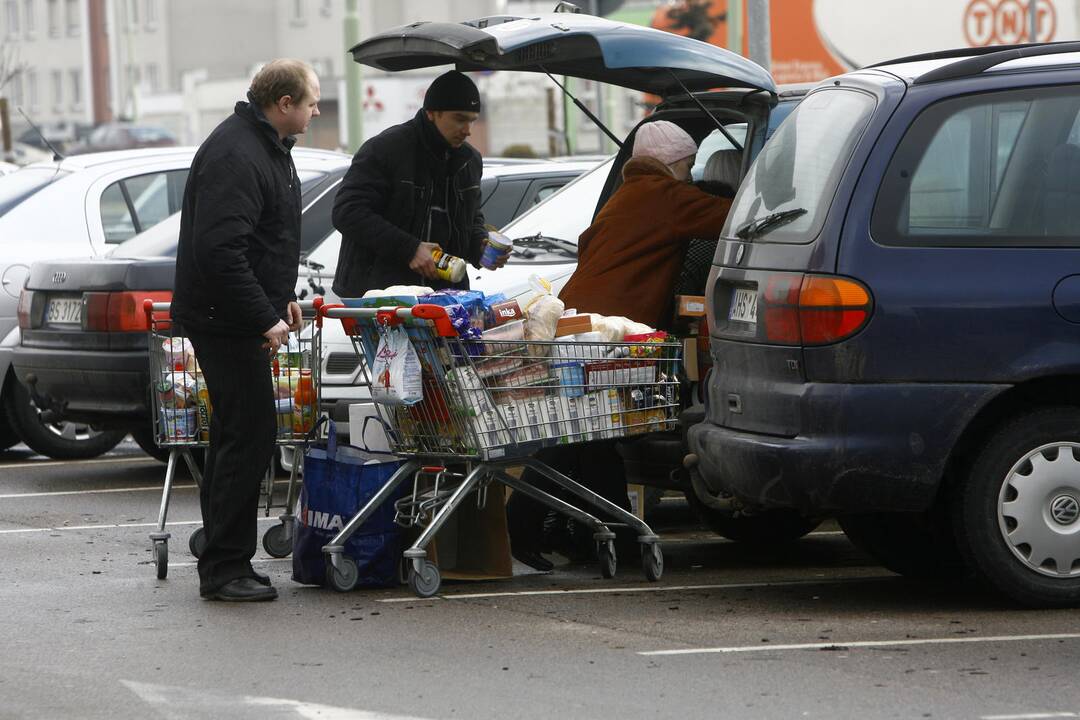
{"points": [[530, 374]]}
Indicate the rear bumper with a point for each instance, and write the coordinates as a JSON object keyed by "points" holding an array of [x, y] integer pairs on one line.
{"points": [[866, 448], [88, 385]]}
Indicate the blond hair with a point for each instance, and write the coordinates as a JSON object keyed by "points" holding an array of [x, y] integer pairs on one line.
{"points": [[279, 78]]}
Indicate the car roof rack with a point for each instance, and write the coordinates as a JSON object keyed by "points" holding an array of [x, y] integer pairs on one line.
{"points": [[953, 53], [979, 63]]}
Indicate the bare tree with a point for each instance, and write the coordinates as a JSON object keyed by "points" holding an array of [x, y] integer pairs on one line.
{"points": [[10, 64]]}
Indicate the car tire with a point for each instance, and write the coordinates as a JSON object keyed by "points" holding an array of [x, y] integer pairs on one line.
{"points": [[915, 545], [144, 437], [60, 441], [1017, 510], [765, 528], [8, 436]]}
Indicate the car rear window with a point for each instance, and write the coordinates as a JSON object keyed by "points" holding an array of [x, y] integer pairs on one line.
{"points": [[21, 184], [800, 166]]}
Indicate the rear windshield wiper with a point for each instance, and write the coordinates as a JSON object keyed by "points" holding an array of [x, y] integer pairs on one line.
{"points": [[757, 228], [526, 247]]}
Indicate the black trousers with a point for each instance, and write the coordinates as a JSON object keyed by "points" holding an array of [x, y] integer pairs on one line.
{"points": [[243, 426], [596, 465]]}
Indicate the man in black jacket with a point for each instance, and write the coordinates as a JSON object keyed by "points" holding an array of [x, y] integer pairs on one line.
{"points": [[236, 268], [410, 189]]}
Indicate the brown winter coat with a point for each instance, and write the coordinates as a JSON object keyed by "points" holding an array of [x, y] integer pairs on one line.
{"points": [[630, 257]]}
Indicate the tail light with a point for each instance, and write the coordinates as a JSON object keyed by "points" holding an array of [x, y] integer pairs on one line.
{"points": [[120, 311], [26, 304], [814, 309]]}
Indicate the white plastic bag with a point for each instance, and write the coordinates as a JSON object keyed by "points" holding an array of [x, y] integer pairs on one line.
{"points": [[542, 312], [615, 328], [396, 376]]}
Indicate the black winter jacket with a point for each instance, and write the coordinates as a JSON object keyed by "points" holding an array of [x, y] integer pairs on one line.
{"points": [[239, 249], [384, 203]]}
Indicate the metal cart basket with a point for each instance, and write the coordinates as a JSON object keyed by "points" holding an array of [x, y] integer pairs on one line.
{"points": [[181, 411], [488, 405]]}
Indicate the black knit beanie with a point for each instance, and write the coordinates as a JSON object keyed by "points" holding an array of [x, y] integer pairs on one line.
{"points": [[452, 91]]}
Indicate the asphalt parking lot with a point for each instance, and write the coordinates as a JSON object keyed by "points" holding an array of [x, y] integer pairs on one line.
{"points": [[815, 630]]}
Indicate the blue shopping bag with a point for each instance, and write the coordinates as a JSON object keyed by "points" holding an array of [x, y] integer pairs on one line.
{"points": [[338, 481]]}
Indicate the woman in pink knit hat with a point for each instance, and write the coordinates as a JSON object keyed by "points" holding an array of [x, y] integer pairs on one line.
{"points": [[628, 262]]}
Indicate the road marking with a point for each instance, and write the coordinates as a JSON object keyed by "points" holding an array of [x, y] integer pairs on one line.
{"points": [[115, 526], [54, 493], [180, 703], [649, 588], [254, 561], [1031, 716], [863, 644], [96, 461]]}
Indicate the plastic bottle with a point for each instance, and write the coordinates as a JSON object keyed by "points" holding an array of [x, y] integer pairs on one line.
{"points": [[304, 404], [448, 267]]}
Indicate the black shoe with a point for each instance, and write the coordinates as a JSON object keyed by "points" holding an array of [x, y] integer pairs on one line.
{"points": [[242, 590], [532, 558], [262, 578]]}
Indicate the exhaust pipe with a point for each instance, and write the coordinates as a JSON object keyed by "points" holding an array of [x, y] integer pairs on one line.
{"points": [[703, 493]]}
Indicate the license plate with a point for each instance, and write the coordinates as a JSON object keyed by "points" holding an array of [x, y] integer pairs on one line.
{"points": [[743, 306], [64, 311]]}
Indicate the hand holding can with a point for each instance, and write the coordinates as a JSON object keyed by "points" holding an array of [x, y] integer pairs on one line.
{"points": [[497, 249]]}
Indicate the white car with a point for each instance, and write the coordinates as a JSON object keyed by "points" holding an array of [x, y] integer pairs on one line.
{"points": [[85, 205], [6, 167]]}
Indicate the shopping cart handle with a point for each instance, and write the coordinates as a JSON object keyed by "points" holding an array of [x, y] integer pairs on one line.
{"points": [[437, 314]]}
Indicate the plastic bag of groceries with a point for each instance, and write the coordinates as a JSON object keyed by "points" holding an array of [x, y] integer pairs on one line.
{"points": [[396, 377]]}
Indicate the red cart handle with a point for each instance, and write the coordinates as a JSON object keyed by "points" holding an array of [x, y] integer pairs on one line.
{"points": [[437, 314]]}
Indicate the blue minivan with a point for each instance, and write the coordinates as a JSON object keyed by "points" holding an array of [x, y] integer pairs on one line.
{"points": [[894, 311]]}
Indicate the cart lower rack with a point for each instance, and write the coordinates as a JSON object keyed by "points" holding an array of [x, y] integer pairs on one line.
{"points": [[488, 405], [181, 412]]}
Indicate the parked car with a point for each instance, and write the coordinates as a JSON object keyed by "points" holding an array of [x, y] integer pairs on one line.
{"points": [[123, 136], [6, 167], [79, 206], [95, 370], [894, 319]]}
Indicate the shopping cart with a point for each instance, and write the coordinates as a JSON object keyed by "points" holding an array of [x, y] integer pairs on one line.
{"points": [[181, 411], [488, 405]]}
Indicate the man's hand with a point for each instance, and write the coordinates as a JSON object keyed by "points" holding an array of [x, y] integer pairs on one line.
{"points": [[295, 316], [277, 336], [422, 261]]}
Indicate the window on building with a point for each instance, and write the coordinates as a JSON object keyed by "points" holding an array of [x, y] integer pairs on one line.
{"points": [[76, 88], [74, 17], [30, 18], [134, 76], [54, 17], [133, 12], [57, 89], [298, 15], [16, 90], [31, 88], [152, 78], [327, 8], [151, 14], [11, 10]]}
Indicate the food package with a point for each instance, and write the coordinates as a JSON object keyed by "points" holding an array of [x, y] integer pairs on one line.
{"points": [[533, 426], [396, 377], [471, 300], [176, 390], [573, 325], [488, 426], [467, 392], [571, 378], [529, 381], [615, 329], [514, 420], [203, 407], [504, 312], [614, 408], [179, 423], [641, 348], [179, 354], [573, 425], [619, 373], [554, 413], [594, 406], [543, 311]]}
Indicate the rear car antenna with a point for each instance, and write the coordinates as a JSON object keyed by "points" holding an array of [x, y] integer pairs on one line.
{"points": [[584, 109], [705, 110], [57, 157]]}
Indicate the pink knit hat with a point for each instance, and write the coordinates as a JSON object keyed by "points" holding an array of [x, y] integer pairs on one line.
{"points": [[665, 141]]}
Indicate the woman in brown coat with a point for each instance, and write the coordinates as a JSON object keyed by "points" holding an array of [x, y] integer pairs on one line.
{"points": [[628, 262], [630, 257]]}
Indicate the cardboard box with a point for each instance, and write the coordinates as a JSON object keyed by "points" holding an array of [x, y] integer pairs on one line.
{"points": [[573, 325], [474, 543], [690, 305], [636, 493]]}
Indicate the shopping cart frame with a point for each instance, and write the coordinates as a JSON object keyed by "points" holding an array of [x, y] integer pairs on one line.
{"points": [[481, 469], [277, 540]]}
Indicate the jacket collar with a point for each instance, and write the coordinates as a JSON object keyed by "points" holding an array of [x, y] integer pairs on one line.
{"points": [[436, 144], [644, 165], [253, 114]]}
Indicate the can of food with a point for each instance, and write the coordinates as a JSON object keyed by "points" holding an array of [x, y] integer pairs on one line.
{"points": [[498, 247], [447, 267]]}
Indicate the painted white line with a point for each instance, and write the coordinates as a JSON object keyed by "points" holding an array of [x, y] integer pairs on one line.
{"points": [[254, 561], [116, 526], [864, 644], [56, 493], [1031, 716], [649, 589], [76, 463]]}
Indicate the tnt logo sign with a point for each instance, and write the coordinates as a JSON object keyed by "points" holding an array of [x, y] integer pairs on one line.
{"points": [[1006, 22]]}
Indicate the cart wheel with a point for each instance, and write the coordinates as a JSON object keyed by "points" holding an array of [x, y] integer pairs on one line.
{"points": [[426, 582], [344, 576], [652, 561], [276, 541], [197, 542], [161, 558], [608, 561]]}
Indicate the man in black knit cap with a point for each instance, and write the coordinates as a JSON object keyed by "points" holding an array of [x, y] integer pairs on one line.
{"points": [[412, 188]]}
